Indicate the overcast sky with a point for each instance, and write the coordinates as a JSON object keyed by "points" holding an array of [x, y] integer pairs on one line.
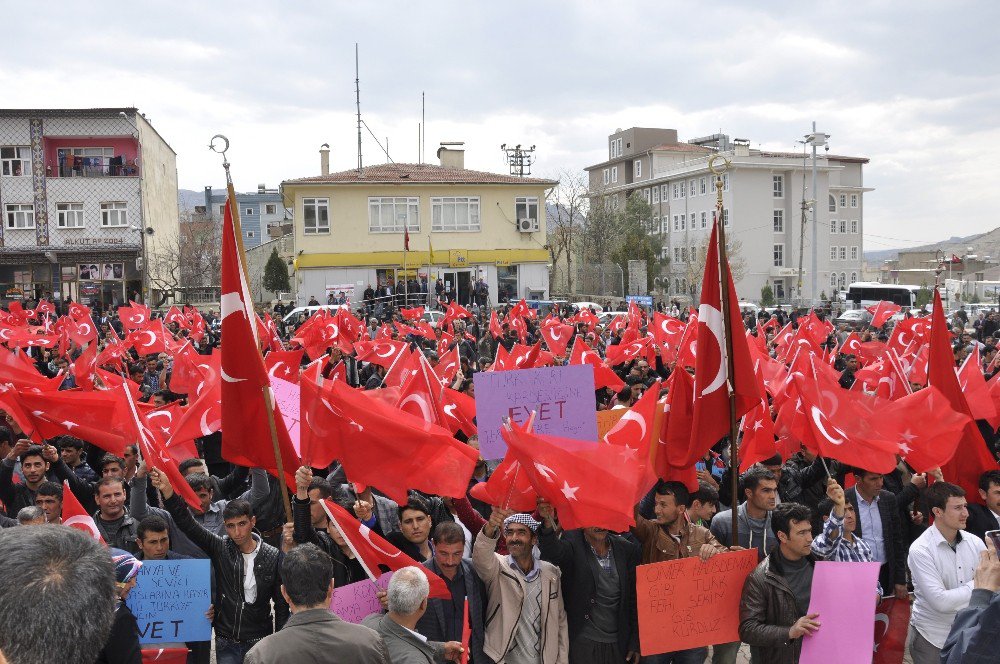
{"points": [[914, 85]]}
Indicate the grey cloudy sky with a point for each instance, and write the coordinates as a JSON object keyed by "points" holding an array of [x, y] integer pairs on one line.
{"points": [[913, 85]]}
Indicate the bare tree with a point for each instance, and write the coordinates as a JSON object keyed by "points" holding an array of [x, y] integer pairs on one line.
{"points": [[568, 206], [694, 269]]}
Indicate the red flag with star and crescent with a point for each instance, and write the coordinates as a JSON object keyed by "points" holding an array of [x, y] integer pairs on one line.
{"points": [[713, 383], [74, 516]]}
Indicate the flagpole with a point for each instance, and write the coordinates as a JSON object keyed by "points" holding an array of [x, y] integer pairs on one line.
{"points": [[241, 252], [727, 322]]}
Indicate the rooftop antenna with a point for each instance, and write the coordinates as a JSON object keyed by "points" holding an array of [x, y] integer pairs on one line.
{"points": [[357, 97], [520, 159], [423, 124]]}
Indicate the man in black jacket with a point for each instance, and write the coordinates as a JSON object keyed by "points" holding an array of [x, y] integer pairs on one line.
{"points": [[246, 574], [311, 525], [983, 518], [598, 582], [880, 527]]}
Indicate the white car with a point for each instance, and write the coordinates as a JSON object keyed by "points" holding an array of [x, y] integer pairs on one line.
{"points": [[293, 315], [432, 317], [598, 309]]}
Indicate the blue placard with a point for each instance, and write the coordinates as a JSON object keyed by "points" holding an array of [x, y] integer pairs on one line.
{"points": [[641, 300], [170, 600]]}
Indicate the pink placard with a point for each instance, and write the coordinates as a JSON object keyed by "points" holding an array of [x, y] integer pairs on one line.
{"points": [[286, 397], [843, 594], [356, 601]]}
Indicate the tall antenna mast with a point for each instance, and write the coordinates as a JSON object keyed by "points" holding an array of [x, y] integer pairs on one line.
{"points": [[357, 97], [423, 124]]}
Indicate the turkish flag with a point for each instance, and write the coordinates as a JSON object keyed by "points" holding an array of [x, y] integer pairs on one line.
{"points": [[152, 338], [245, 419], [712, 380], [370, 432], [381, 351], [892, 620], [78, 311], [851, 345], [374, 553], [557, 337], [590, 484], [881, 312], [74, 516], [91, 416], [133, 317], [603, 375], [675, 428], [931, 442], [416, 313], [81, 332], [444, 342], [175, 315], [45, 307], [964, 469], [406, 364], [164, 655], [10, 404], [973, 384], [448, 365], [495, 328], [284, 364], [453, 312], [919, 364], [420, 394], [507, 487], [621, 353], [758, 441], [460, 412], [632, 434], [667, 332], [84, 368], [909, 332], [587, 317]]}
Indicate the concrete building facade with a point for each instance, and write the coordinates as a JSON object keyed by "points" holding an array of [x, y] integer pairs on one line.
{"points": [[763, 197], [259, 211]]}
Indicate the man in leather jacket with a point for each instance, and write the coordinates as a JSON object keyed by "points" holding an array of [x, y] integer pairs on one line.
{"points": [[247, 574]]}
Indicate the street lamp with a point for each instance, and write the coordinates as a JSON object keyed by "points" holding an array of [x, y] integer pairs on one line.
{"points": [[816, 139], [144, 272]]}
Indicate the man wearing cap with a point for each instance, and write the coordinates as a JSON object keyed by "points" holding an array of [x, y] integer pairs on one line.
{"points": [[123, 641], [527, 621]]}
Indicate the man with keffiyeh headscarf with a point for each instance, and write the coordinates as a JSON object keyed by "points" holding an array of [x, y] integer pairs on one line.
{"points": [[122, 646]]}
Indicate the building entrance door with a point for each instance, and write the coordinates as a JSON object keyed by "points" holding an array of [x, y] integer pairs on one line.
{"points": [[458, 286]]}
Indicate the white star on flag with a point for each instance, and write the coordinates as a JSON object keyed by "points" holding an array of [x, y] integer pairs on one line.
{"points": [[758, 425], [569, 491], [907, 436], [629, 452], [904, 449]]}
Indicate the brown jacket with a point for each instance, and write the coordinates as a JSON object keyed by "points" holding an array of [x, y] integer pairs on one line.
{"points": [[505, 589], [767, 610], [658, 545]]}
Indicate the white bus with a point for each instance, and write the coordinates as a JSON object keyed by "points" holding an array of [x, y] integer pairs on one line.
{"points": [[866, 293]]}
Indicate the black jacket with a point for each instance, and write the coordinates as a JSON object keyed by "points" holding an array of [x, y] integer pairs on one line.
{"points": [[234, 617], [345, 570], [892, 534], [981, 520], [122, 646], [572, 554], [432, 624]]}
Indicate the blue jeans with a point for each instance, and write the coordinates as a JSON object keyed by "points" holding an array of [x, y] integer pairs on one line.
{"points": [[690, 656], [228, 651]]}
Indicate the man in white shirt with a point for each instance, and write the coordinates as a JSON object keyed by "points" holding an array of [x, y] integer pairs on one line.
{"points": [[942, 563]]}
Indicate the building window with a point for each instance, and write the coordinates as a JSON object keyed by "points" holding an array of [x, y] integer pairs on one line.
{"points": [[779, 221], [461, 213], [664, 191], [833, 253], [114, 214], [248, 211], [779, 289], [607, 176], [665, 222], [645, 195], [833, 280], [656, 223], [683, 189], [842, 281], [704, 220], [683, 219], [222, 209], [315, 215], [854, 253], [251, 234], [833, 203], [656, 194], [725, 182], [725, 217], [703, 186], [778, 186], [854, 226], [779, 255], [15, 160], [270, 208], [693, 188], [833, 226], [692, 223], [854, 277], [843, 226], [616, 147], [843, 200], [614, 174], [677, 224], [20, 215], [392, 214], [854, 200], [525, 207], [677, 191], [677, 255], [614, 202], [843, 253], [637, 168], [69, 215], [684, 254]]}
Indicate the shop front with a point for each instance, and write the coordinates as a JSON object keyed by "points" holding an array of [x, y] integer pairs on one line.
{"points": [[100, 280]]}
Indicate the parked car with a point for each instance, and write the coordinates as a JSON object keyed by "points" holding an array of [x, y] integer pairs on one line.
{"points": [[598, 309], [855, 318], [293, 315], [605, 318], [432, 317]]}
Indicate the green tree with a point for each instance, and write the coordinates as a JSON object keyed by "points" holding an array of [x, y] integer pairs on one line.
{"points": [[923, 296], [766, 296], [276, 274], [637, 239]]}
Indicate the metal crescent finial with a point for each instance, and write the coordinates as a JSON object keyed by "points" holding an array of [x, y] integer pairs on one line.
{"points": [[719, 170], [225, 148]]}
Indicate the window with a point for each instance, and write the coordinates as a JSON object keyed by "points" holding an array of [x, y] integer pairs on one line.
{"points": [[607, 176], [833, 280], [251, 234], [249, 211], [656, 223], [725, 182], [645, 195], [270, 208], [677, 191], [525, 207], [854, 200], [614, 174], [702, 186], [833, 226], [684, 254], [833, 203], [677, 255], [843, 253], [664, 254], [778, 186], [704, 220], [114, 214], [693, 188], [683, 219], [15, 160], [779, 255], [461, 213], [854, 253], [656, 194], [677, 223], [20, 215], [69, 215], [222, 209], [725, 216], [779, 221], [664, 191], [614, 202], [692, 226], [843, 226], [665, 223], [683, 189], [842, 281], [315, 215], [637, 168], [854, 277], [854, 226], [387, 214], [843, 200], [779, 289], [616, 147], [833, 253]]}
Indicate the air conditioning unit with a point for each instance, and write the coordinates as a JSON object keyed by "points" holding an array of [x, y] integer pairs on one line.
{"points": [[527, 225]]}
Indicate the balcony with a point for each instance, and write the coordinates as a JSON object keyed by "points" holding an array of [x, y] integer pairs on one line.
{"points": [[93, 167]]}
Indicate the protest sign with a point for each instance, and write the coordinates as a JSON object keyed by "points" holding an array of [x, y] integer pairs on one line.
{"points": [[688, 603], [286, 396], [170, 599], [562, 398], [356, 601], [607, 419], [842, 595]]}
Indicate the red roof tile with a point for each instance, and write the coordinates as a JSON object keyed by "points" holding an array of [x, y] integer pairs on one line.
{"points": [[417, 173]]}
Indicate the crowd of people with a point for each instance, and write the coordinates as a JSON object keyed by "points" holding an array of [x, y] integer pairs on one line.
{"points": [[535, 592]]}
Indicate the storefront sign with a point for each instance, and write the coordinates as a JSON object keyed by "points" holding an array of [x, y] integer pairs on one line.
{"points": [[94, 241], [503, 263], [458, 258]]}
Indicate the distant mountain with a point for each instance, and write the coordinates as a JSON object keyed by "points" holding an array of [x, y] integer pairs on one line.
{"points": [[187, 199], [983, 245]]}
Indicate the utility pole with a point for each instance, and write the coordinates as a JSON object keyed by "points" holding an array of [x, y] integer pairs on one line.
{"points": [[357, 98], [520, 159], [815, 139]]}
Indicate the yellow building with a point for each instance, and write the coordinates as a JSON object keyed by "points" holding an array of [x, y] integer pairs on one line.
{"points": [[463, 226]]}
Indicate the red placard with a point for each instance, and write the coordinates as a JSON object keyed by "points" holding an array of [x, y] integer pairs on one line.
{"points": [[688, 603]]}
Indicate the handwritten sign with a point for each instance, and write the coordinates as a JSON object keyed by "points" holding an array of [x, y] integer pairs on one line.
{"points": [[562, 398], [843, 596], [356, 601], [287, 396], [170, 599], [688, 603], [607, 419]]}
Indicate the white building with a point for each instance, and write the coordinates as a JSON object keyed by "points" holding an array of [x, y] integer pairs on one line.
{"points": [[763, 195]]}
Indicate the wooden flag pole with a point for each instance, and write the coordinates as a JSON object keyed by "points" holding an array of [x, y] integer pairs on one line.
{"points": [[269, 406], [734, 464]]}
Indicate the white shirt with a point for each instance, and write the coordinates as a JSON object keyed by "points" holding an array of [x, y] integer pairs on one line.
{"points": [[416, 634], [249, 580], [942, 581]]}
